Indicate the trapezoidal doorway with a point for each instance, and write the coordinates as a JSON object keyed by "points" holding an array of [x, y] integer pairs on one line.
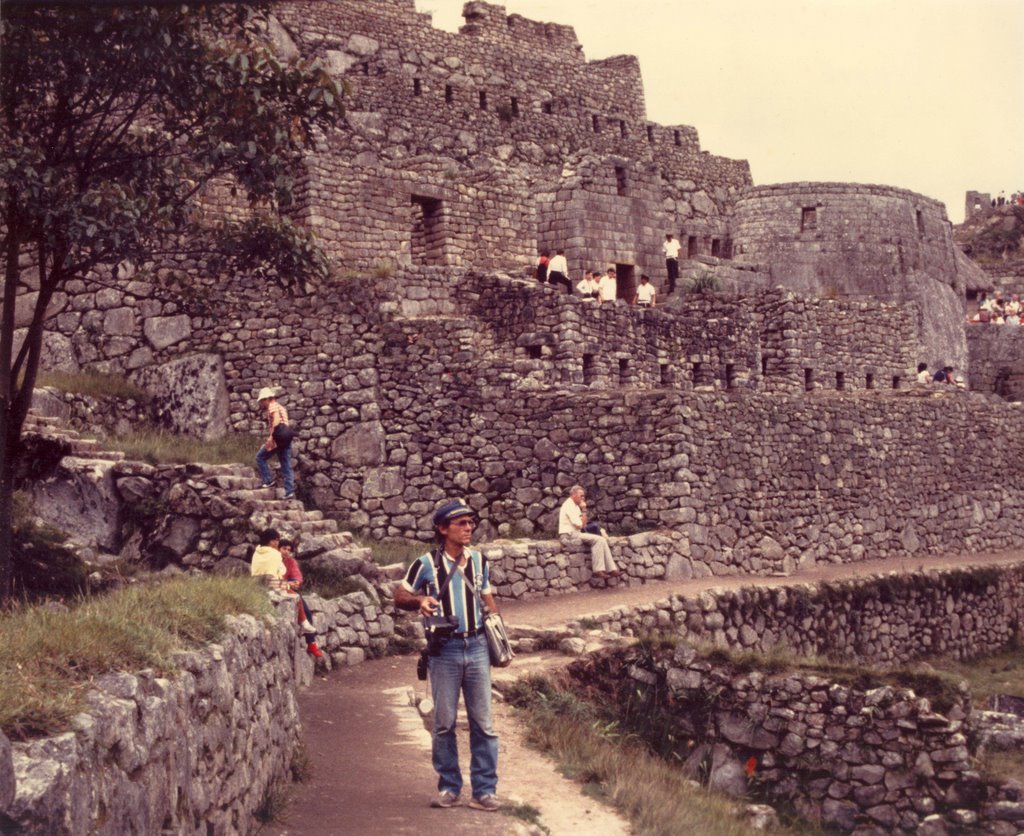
{"points": [[625, 282], [428, 238]]}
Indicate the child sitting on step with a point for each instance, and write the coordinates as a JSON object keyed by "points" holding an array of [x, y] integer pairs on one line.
{"points": [[293, 579]]}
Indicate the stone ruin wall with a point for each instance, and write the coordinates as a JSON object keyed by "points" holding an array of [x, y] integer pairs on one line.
{"points": [[997, 360], [196, 752]]}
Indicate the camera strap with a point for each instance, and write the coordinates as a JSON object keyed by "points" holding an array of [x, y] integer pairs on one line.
{"points": [[472, 587], [438, 568]]}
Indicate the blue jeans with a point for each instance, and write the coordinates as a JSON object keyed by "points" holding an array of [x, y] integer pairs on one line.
{"points": [[285, 458], [464, 665]]}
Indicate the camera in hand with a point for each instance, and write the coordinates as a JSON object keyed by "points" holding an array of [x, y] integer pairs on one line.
{"points": [[439, 629]]}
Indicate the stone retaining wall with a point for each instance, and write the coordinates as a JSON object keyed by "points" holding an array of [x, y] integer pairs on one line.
{"points": [[846, 756], [194, 753], [538, 568], [881, 620], [997, 359]]}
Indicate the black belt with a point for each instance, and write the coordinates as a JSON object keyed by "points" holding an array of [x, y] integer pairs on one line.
{"points": [[469, 634]]}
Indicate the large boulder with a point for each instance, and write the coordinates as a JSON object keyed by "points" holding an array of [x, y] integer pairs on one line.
{"points": [[81, 500], [191, 394]]}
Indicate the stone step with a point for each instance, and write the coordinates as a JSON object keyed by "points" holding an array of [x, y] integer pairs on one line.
{"points": [[42, 420], [308, 526], [237, 483], [99, 455], [229, 469]]}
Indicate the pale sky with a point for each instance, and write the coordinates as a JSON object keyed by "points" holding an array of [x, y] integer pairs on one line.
{"points": [[926, 95]]}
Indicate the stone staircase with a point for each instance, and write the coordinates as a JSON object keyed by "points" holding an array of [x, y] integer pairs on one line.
{"points": [[236, 484]]}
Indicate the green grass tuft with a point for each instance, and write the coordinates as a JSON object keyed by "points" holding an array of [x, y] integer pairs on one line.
{"points": [[48, 656], [161, 447]]}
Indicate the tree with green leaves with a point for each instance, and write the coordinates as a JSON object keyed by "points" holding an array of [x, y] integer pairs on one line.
{"points": [[114, 121]]}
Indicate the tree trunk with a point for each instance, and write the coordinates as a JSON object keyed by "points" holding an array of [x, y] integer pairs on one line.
{"points": [[8, 446]]}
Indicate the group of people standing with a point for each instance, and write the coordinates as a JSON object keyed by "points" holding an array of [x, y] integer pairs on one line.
{"points": [[605, 287], [998, 311]]}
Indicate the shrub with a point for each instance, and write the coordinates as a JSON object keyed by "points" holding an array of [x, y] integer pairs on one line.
{"points": [[704, 282]]}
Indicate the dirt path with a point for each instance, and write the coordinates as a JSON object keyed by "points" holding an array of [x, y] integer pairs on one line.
{"points": [[370, 756], [560, 609]]}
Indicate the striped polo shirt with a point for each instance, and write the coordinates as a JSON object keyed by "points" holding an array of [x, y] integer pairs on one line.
{"points": [[458, 599]]}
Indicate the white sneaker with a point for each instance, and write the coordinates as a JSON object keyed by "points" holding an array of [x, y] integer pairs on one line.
{"points": [[307, 627]]}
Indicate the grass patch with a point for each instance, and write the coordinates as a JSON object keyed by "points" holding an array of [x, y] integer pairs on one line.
{"points": [[94, 384], [161, 447], [273, 805], [527, 813], [48, 657], [653, 794], [999, 765], [1001, 673], [327, 581], [43, 566], [394, 550]]}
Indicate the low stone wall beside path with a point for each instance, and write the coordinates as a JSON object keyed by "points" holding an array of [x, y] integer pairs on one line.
{"points": [[882, 619], [537, 568], [195, 753]]}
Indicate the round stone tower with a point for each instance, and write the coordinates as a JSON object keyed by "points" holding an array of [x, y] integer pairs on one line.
{"points": [[825, 239]]}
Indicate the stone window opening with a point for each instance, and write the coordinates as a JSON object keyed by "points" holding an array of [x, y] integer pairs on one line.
{"points": [[483, 100], [678, 138], [666, 375], [417, 87], [547, 107], [869, 381], [691, 246], [623, 371], [730, 375], [716, 247], [621, 182], [515, 106], [808, 380], [366, 67], [808, 218], [449, 94], [428, 238], [697, 373], [535, 352], [650, 134], [920, 222], [764, 367], [596, 121], [622, 128], [840, 381], [589, 373], [896, 381]]}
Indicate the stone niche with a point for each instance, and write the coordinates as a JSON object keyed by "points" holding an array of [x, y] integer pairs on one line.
{"points": [[191, 394]]}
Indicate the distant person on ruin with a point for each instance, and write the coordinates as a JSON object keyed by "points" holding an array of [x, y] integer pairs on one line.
{"points": [[1013, 306], [608, 286], [454, 580], [945, 375], [646, 295], [923, 375], [277, 416], [542, 266], [671, 250], [587, 287], [558, 271], [573, 525]]}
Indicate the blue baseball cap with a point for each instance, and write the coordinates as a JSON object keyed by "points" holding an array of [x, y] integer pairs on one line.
{"points": [[451, 510]]}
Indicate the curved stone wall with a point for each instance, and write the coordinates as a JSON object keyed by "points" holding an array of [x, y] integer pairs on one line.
{"points": [[824, 239]]}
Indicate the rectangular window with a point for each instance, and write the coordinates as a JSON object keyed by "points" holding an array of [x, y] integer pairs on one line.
{"points": [[515, 106], [716, 247], [666, 378], [622, 128], [366, 67], [620, 180], [623, 372], [483, 100], [808, 218], [650, 134], [678, 139], [764, 366], [547, 107], [417, 87], [920, 222], [449, 94], [808, 380], [697, 373], [534, 352], [896, 381], [596, 122], [428, 238], [589, 374], [730, 375], [840, 381], [691, 246], [869, 381]]}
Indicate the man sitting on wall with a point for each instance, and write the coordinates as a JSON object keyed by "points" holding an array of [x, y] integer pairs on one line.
{"points": [[572, 524]]}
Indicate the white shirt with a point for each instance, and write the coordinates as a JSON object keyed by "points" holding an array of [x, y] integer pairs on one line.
{"points": [[558, 264], [645, 293], [586, 287], [924, 377], [607, 288], [570, 518], [671, 248]]}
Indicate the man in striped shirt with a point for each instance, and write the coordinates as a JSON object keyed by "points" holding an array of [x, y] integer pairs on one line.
{"points": [[455, 581], [276, 414]]}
